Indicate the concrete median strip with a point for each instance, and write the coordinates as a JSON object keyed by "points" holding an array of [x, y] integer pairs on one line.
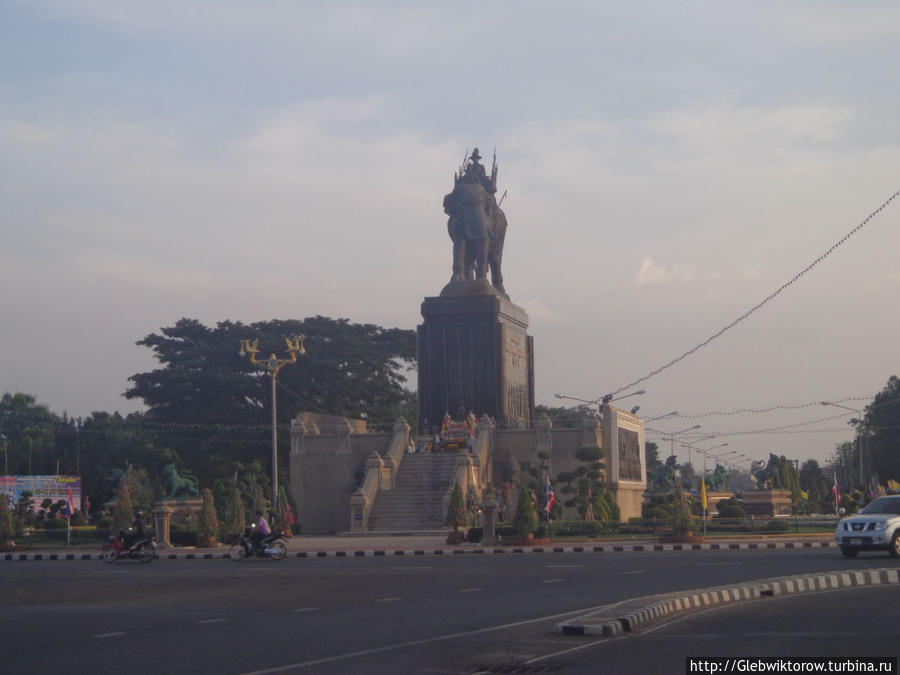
{"points": [[644, 612], [437, 551]]}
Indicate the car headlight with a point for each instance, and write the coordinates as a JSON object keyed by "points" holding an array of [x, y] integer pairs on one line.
{"points": [[881, 526]]}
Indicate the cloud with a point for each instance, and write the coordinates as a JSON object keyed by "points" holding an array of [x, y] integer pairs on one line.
{"points": [[651, 273]]}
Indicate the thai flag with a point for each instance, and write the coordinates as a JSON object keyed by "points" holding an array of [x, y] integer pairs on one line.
{"points": [[70, 508], [551, 498]]}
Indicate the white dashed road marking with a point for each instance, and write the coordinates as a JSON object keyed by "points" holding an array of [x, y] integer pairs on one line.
{"points": [[108, 635], [212, 621]]}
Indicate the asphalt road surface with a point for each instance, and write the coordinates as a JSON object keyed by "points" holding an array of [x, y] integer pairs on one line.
{"points": [[428, 614]]}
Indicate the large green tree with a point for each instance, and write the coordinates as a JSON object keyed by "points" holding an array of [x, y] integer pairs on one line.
{"points": [[212, 406], [881, 434]]}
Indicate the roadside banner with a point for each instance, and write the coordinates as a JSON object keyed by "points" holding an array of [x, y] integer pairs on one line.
{"points": [[56, 488]]}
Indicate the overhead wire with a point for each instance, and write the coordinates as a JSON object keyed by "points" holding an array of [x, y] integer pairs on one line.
{"points": [[761, 304]]}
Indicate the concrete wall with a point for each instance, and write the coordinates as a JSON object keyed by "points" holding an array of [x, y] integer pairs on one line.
{"points": [[328, 463], [326, 467]]}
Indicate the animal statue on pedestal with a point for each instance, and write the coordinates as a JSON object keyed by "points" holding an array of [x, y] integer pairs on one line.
{"points": [[476, 224]]}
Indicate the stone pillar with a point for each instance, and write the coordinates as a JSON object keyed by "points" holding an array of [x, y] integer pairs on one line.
{"points": [[161, 516], [342, 431], [359, 512], [489, 508]]}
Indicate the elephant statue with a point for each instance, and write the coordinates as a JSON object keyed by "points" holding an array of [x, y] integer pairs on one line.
{"points": [[476, 225]]}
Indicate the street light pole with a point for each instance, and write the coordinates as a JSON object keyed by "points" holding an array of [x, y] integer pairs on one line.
{"points": [[705, 451], [859, 421], [674, 434], [273, 365], [603, 400], [690, 446]]}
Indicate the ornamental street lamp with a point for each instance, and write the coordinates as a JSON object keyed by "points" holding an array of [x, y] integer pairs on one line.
{"points": [[858, 424], [273, 364]]}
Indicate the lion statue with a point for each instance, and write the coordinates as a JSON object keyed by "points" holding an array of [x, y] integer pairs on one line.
{"points": [[179, 486]]}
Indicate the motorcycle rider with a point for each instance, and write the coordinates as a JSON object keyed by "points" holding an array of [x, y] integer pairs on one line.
{"points": [[138, 532], [262, 529]]}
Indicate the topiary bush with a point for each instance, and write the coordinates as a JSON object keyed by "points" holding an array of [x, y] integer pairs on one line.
{"points": [[778, 525], [525, 521]]}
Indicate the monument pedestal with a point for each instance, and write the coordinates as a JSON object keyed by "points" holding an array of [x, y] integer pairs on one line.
{"points": [[184, 511], [474, 355], [767, 502]]}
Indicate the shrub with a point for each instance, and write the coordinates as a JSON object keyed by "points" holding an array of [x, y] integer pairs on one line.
{"points": [[778, 525], [209, 522], [456, 509], [525, 521], [54, 524], [183, 537], [731, 512], [475, 534], [506, 532], [658, 513]]}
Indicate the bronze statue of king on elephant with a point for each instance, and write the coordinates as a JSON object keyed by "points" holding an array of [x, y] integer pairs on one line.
{"points": [[477, 225]]}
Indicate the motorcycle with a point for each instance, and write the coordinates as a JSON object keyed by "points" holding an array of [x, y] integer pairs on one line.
{"points": [[144, 549], [271, 546]]}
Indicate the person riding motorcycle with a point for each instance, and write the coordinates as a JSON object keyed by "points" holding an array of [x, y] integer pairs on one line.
{"points": [[261, 531], [138, 531]]}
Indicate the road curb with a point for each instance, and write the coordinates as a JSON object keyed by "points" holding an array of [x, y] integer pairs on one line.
{"points": [[449, 552], [644, 612]]}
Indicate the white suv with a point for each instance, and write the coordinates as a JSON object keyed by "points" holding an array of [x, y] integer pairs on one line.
{"points": [[877, 528]]}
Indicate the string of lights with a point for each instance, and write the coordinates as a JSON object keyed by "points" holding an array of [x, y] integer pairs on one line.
{"points": [[755, 411], [764, 302]]}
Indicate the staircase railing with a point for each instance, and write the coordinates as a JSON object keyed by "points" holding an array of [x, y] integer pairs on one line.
{"points": [[474, 469], [381, 474]]}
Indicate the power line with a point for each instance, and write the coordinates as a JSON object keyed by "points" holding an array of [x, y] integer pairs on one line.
{"points": [[767, 299]]}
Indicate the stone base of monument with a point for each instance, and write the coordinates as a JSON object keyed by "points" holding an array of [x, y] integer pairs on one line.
{"points": [[182, 511], [769, 503], [714, 498], [475, 355]]}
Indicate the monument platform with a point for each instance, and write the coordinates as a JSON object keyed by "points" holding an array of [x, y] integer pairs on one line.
{"points": [[475, 355]]}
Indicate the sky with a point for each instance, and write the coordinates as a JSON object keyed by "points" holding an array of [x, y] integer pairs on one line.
{"points": [[668, 167]]}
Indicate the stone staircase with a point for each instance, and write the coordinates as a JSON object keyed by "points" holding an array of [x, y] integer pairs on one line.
{"points": [[415, 504]]}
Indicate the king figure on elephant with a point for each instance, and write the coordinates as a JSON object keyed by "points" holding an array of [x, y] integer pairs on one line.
{"points": [[477, 225]]}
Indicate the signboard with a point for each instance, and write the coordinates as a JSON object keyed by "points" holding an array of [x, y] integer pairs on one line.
{"points": [[41, 488]]}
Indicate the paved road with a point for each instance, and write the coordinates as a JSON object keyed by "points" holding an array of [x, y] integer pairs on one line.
{"points": [[431, 614]]}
